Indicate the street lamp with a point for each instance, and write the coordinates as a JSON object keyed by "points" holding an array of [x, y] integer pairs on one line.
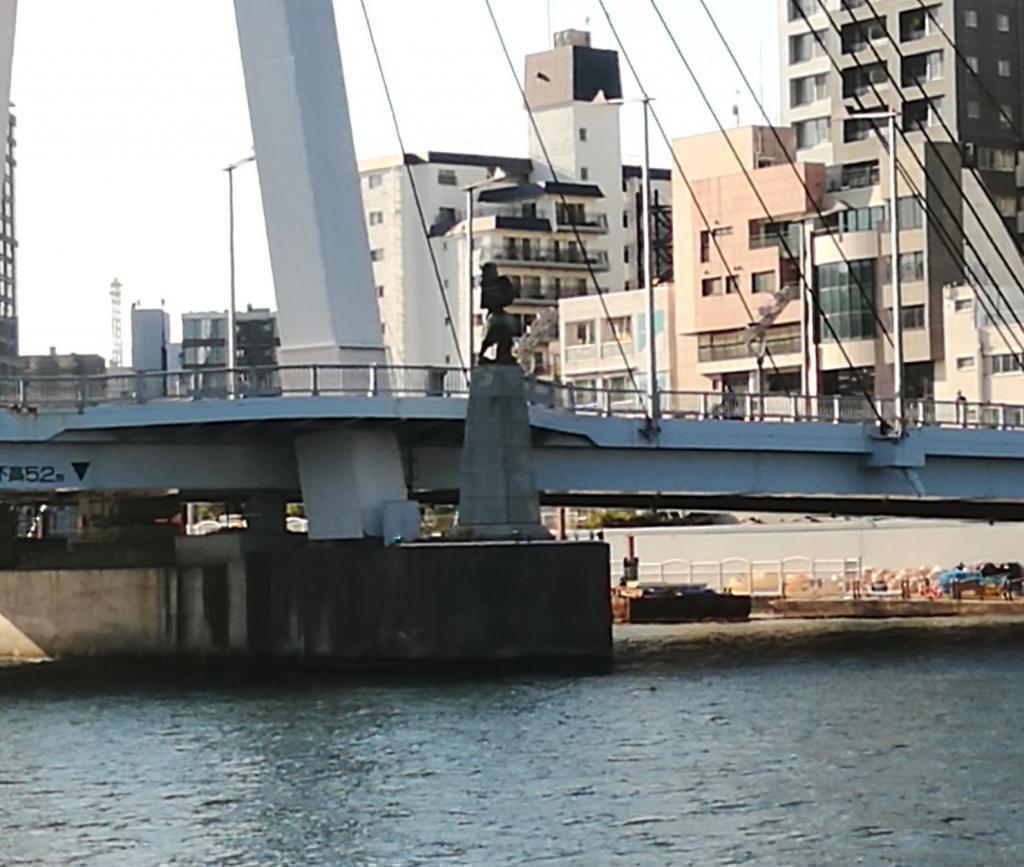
{"points": [[494, 177], [894, 231], [232, 325]]}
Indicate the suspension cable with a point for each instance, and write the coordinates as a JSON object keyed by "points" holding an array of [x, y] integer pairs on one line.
{"points": [[1006, 118], [955, 250], [702, 213], [572, 221], [858, 376], [448, 318], [796, 172], [949, 132]]}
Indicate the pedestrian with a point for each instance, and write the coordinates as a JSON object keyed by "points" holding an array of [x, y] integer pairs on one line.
{"points": [[961, 409]]}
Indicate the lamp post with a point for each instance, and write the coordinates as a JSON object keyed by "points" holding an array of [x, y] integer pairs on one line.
{"points": [[494, 177], [232, 325], [897, 288]]}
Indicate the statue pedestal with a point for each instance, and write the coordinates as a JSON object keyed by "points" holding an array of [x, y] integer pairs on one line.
{"points": [[497, 491]]}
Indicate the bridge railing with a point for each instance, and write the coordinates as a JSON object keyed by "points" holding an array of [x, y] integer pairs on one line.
{"points": [[430, 381], [220, 383]]}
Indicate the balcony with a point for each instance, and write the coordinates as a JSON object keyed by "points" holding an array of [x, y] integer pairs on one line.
{"points": [[595, 224], [545, 256]]}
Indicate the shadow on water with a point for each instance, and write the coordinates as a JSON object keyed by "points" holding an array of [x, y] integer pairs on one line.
{"points": [[680, 650]]}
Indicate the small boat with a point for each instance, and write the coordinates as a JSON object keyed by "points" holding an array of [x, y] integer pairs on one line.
{"points": [[677, 603]]}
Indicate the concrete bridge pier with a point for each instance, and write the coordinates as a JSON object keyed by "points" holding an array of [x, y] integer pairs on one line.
{"points": [[353, 485]]}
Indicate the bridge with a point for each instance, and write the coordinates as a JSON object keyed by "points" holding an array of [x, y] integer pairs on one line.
{"points": [[357, 440], [65, 437]]}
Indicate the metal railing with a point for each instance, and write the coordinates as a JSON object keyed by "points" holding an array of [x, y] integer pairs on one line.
{"points": [[239, 383], [373, 380]]}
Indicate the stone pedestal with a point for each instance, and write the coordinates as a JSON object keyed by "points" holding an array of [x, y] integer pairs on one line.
{"points": [[497, 491]]}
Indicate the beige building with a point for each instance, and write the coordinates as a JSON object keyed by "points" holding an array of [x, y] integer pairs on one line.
{"points": [[599, 350], [739, 275]]}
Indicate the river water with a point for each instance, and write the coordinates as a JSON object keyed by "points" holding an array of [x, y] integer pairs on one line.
{"points": [[909, 756]]}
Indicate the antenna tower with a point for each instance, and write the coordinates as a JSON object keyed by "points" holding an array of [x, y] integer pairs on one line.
{"points": [[117, 340]]}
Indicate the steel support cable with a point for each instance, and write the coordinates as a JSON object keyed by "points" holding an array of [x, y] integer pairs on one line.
{"points": [[757, 194], [1010, 122], [448, 319], [796, 171], [953, 139], [689, 188], [575, 228], [955, 250]]}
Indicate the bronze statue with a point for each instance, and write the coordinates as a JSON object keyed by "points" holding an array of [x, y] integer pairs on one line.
{"points": [[496, 293]]}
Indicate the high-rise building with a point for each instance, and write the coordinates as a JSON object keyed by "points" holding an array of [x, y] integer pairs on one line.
{"points": [[554, 234], [897, 54], [951, 70]]}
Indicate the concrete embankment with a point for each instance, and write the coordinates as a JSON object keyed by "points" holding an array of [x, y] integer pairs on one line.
{"points": [[301, 603]]}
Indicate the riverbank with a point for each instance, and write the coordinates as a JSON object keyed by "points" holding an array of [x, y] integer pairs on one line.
{"points": [[768, 638]]}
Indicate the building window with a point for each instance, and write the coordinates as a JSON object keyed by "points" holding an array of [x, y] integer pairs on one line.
{"points": [[584, 173], [804, 47], [377, 255], [732, 285], [1006, 205], [711, 286], [585, 333], [859, 80], [911, 214], [625, 255], [1005, 69], [376, 218], [962, 305], [1006, 116], [1007, 363], [447, 178], [965, 362], [808, 89], [996, 159], [383, 327], [446, 216], [856, 36], [374, 181], [971, 18], [762, 282], [810, 133], [380, 291], [800, 9], [917, 23], [625, 219], [845, 291], [973, 109], [921, 68], [705, 246], [583, 133], [972, 62], [913, 317], [1003, 22]]}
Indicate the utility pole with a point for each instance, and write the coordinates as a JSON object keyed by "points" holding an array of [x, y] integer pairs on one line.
{"points": [[897, 286], [653, 397], [116, 323], [232, 348]]}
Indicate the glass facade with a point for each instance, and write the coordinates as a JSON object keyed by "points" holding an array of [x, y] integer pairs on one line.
{"points": [[847, 294]]}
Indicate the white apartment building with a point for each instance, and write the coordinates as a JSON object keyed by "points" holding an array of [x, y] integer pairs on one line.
{"points": [[553, 233]]}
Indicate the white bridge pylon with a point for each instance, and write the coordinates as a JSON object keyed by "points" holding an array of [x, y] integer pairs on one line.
{"points": [[319, 248]]}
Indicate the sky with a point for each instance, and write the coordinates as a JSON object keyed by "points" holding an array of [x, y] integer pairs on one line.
{"points": [[128, 110]]}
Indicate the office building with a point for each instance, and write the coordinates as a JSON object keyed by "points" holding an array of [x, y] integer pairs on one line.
{"points": [[743, 318], [970, 97]]}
